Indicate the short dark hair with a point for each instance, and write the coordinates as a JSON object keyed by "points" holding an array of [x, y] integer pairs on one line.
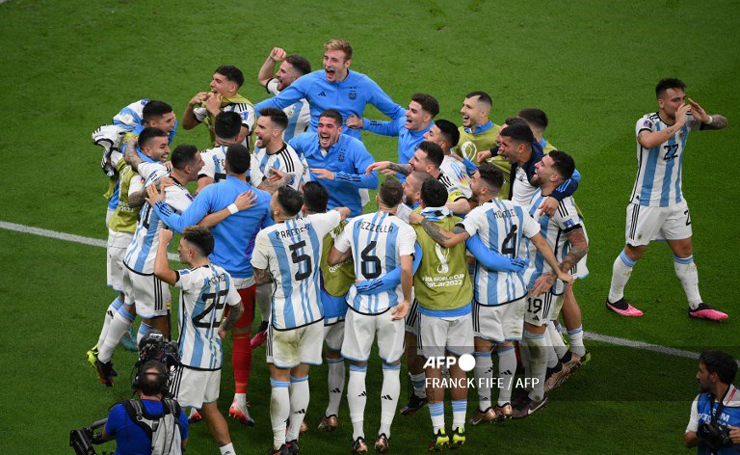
{"points": [[155, 108], [449, 130], [300, 64], [427, 102], [290, 199], [183, 155], [433, 151], [535, 117], [228, 125], [720, 362], [333, 114], [152, 383], [482, 97], [515, 121], [665, 84], [315, 197], [563, 164], [238, 158], [433, 193], [493, 177], [519, 133], [277, 116], [149, 133], [232, 73], [200, 237], [391, 192]]}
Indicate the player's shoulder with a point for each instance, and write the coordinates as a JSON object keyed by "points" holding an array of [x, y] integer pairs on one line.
{"points": [[351, 143], [304, 139]]}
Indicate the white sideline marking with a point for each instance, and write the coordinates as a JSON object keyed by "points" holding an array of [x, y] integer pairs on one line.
{"points": [[586, 335], [63, 236]]}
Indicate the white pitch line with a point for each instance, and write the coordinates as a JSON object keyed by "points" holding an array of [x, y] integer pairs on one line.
{"points": [[63, 236], [587, 335]]}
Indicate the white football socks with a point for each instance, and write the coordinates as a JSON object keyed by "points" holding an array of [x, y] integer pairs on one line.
{"points": [[109, 313], [689, 277], [118, 327], [483, 377], [279, 410], [621, 271], [299, 397], [356, 398], [336, 385], [506, 371], [389, 397], [538, 353]]}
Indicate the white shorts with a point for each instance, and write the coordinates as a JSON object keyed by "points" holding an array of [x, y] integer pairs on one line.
{"points": [[108, 215], [334, 335], [542, 308], [412, 319], [437, 335], [361, 329], [290, 348], [499, 323], [117, 244], [191, 388], [646, 223], [149, 293]]}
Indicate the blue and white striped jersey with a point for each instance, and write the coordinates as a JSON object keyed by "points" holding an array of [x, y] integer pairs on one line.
{"points": [[378, 240], [658, 182], [503, 226], [291, 251], [454, 171], [554, 229], [214, 166], [286, 160], [299, 113], [143, 247], [205, 293]]}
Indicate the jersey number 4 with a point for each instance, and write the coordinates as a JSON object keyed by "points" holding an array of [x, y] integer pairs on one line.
{"points": [[508, 246]]}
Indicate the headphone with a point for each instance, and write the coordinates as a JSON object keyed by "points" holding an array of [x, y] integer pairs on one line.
{"points": [[161, 385]]}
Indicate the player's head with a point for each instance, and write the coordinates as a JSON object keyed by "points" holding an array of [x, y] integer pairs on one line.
{"points": [[227, 127], [412, 186], [554, 168], [433, 193], [315, 198], [536, 118], [226, 80], [291, 69], [237, 159], [516, 142], [509, 121], [715, 367], [286, 202], [427, 158], [337, 59], [486, 182], [671, 94], [422, 109], [159, 114], [390, 193], [154, 143], [475, 109], [186, 160], [443, 133], [330, 127], [151, 379], [270, 126], [196, 244]]}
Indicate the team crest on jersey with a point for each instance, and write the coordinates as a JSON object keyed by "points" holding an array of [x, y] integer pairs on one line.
{"points": [[341, 156], [352, 95], [569, 224], [647, 123]]}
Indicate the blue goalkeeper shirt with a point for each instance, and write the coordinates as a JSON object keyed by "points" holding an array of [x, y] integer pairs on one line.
{"points": [[408, 140], [235, 235], [348, 159], [349, 96]]}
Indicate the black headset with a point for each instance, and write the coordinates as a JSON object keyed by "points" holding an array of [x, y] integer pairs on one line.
{"points": [[161, 383]]}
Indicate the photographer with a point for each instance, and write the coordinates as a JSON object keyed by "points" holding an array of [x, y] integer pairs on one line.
{"points": [[715, 412], [131, 438]]}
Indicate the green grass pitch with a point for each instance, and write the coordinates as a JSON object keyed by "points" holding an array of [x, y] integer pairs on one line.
{"points": [[67, 67]]}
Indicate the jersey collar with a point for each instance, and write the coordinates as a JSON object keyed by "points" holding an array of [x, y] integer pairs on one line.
{"points": [[480, 128]]}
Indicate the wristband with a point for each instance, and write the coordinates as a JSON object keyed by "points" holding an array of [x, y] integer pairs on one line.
{"points": [[233, 209], [709, 122]]}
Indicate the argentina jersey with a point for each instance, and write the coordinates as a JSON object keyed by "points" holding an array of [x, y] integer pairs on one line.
{"points": [[658, 182], [298, 113], [378, 240], [503, 226], [291, 252], [454, 171], [555, 230], [143, 247], [206, 291], [214, 163], [286, 160]]}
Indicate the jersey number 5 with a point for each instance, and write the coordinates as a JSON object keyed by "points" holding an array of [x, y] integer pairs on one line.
{"points": [[298, 259]]}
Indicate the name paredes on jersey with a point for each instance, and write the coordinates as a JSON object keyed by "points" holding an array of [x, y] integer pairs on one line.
{"points": [[372, 227], [291, 232]]}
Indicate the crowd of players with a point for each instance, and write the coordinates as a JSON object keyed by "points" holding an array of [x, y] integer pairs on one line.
{"points": [[473, 249]]}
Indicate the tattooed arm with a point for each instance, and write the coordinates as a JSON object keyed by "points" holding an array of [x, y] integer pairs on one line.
{"points": [[404, 169], [445, 238], [262, 276], [231, 319]]}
